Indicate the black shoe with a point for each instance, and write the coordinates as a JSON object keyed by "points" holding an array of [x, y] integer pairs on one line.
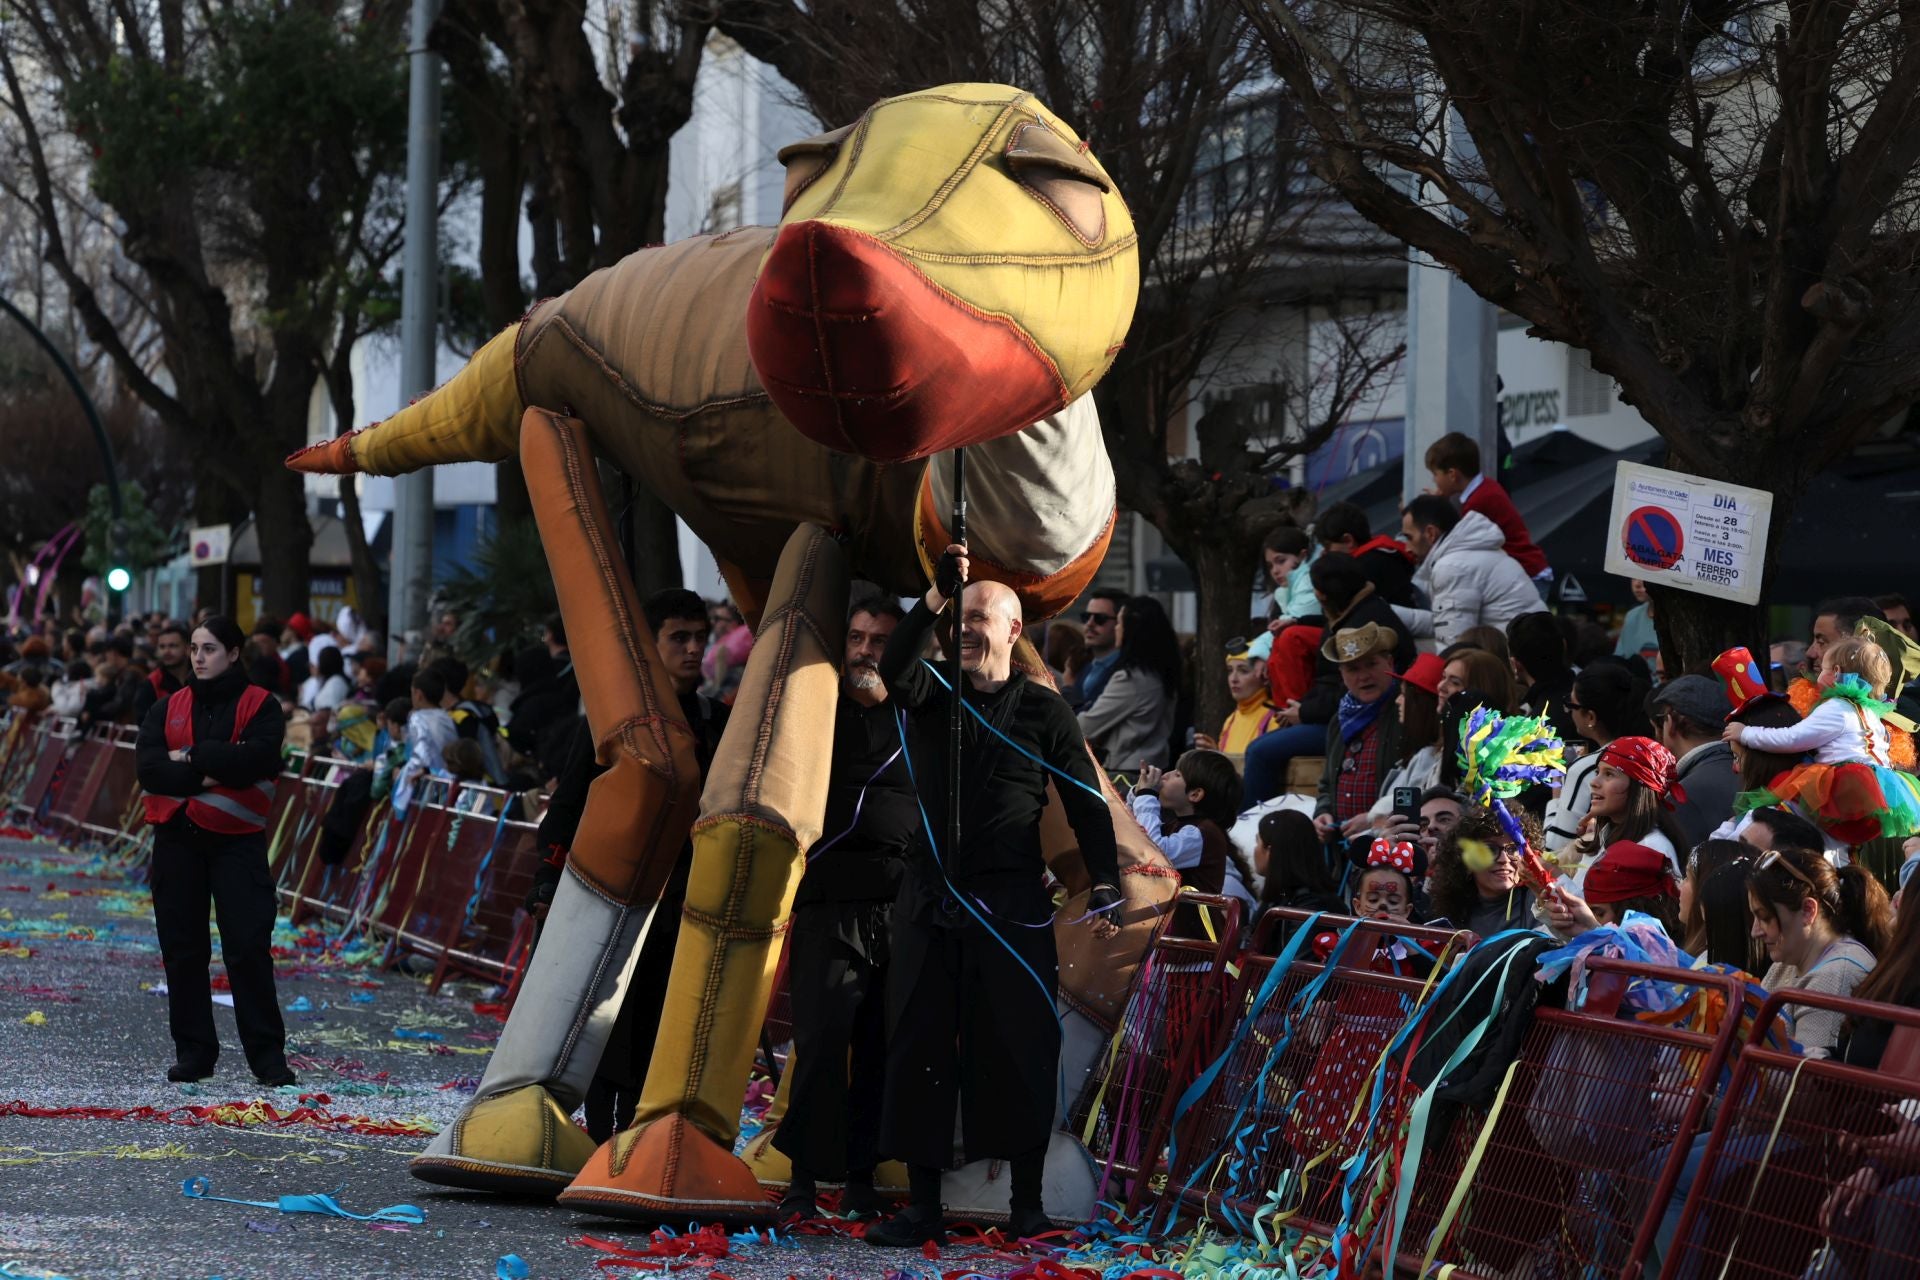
{"points": [[798, 1203], [277, 1077], [860, 1201], [188, 1073], [908, 1229], [1026, 1224]]}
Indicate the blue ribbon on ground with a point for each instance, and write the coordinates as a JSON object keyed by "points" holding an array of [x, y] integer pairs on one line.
{"points": [[202, 1189], [511, 1267]]}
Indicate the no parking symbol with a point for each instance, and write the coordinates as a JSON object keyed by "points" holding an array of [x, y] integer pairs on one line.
{"points": [[1651, 538]]}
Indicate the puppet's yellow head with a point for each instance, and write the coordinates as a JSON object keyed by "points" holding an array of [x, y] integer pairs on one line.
{"points": [[951, 267]]}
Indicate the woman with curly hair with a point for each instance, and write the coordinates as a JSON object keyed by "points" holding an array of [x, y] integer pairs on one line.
{"points": [[1486, 902]]}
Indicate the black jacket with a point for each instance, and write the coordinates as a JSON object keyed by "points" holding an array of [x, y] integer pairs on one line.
{"points": [[145, 695], [1003, 791], [1323, 699], [214, 754]]}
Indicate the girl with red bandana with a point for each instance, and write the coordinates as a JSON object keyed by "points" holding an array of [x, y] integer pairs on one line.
{"points": [[1633, 790]]}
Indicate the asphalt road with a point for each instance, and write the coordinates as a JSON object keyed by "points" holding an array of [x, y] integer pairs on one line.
{"points": [[95, 1196]]}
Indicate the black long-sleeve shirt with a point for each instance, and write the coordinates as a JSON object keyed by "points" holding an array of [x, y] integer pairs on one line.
{"points": [[1002, 792], [214, 754], [872, 817]]}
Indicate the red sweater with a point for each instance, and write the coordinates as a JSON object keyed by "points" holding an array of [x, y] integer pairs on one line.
{"points": [[1493, 502]]}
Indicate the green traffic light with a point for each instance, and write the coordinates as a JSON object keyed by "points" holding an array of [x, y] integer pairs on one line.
{"points": [[118, 579]]}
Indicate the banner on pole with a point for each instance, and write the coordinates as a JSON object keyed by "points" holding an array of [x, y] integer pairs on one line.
{"points": [[1688, 532]]}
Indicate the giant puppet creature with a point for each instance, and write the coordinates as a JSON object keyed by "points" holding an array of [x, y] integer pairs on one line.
{"points": [[952, 269]]}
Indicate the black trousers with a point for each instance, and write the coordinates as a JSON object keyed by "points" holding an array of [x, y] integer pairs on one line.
{"points": [[192, 868], [966, 1022], [836, 974]]}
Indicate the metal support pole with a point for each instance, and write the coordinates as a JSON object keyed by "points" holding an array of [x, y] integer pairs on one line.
{"points": [[411, 565], [1452, 342], [959, 676]]}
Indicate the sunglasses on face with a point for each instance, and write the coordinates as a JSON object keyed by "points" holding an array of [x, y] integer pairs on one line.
{"points": [[1090, 617]]}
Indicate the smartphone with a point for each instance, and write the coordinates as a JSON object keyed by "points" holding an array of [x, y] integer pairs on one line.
{"points": [[1406, 803]]}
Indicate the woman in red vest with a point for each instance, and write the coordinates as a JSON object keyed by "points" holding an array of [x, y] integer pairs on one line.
{"points": [[208, 757]]}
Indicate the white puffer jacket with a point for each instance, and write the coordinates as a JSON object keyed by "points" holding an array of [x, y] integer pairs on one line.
{"points": [[1472, 582]]}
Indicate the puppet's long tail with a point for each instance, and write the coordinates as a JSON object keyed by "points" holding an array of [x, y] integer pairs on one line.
{"points": [[474, 417]]}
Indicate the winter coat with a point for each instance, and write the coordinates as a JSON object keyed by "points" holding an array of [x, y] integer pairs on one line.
{"points": [[1472, 582], [1131, 721]]}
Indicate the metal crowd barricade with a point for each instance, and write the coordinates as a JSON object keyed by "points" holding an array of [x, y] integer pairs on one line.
{"points": [[1170, 1026], [288, 820], [1796, 1137], [450, 851], [295, 852], [71, 803], [50, 766], [488, 934], [115, 799], [1570, 1168], [431, 825], [1288, 1102], [26, 744]]}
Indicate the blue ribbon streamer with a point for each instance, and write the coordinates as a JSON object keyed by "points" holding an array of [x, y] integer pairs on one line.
{"points": [[202, 1189]]}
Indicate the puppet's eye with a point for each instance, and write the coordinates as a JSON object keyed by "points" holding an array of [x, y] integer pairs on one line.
{"points": [[1063, 176], [806, 160]]}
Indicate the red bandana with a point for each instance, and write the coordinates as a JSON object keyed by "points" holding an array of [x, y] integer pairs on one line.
{"points": [[1647, 763], [1629, 870]]}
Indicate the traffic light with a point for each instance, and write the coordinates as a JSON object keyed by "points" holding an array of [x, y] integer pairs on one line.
{"points": [[119, 578]]}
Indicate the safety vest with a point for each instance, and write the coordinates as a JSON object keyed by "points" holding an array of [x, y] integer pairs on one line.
{"points": [[227, 811]]}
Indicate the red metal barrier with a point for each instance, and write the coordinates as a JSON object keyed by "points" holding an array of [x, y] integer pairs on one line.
{"points": [[1767, 1199], [423, 854], [1286, 1107], [72, 802], [1577, 1164], [48, 768], [25, 737], [457, 861], [114, 811], [490, 935], [1169, 1029]]}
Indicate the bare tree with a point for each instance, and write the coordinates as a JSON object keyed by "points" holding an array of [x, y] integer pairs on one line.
{"points": [[235, 148], [1716, 201], [597, 93], [1206, 149]]}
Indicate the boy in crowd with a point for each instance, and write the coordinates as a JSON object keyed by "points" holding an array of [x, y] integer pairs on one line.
{"points": [[1454, 462]]}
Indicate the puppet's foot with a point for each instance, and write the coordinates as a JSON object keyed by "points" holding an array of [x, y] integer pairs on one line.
{"points": [[763, 804], [667, 1168], [516, 1143]]}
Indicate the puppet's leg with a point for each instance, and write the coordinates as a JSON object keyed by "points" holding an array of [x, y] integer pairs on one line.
{"points": [[764, 801], [515, 1136]]}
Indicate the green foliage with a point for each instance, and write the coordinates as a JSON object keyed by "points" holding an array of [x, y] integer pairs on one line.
{"points": [[144, 541], [505, 596], [287, 100]]}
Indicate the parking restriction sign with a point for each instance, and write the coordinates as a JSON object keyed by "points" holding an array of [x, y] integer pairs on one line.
{"points": [[1688, 532]]}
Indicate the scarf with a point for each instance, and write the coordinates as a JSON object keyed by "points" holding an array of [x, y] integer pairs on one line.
{"points": [[1356, 717]]}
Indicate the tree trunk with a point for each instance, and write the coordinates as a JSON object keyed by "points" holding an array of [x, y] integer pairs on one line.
{"points": [[368, 586], [652, 536], [1223, 572], [286, 541], [1695, 628]]}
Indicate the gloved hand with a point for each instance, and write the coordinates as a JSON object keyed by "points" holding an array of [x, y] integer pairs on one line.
{"points": [[1103, 905], [950, 570], [546, 882]]}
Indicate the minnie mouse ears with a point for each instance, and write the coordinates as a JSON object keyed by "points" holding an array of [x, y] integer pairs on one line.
{"points": [[1397, 855]]}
